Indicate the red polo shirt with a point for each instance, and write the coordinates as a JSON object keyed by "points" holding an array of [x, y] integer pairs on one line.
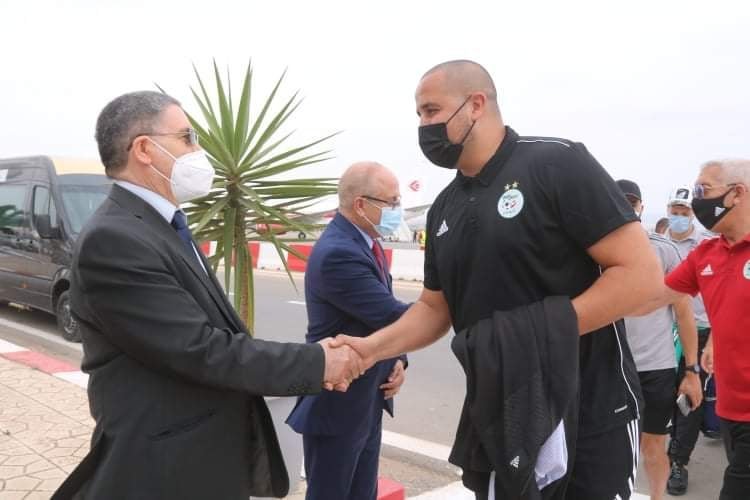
{"points": [[721, 273]]}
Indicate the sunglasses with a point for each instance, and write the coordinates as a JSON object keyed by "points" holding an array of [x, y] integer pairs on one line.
{"points": [[190, 135]]}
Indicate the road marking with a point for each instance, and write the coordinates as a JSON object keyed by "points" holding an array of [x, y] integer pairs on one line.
{"points": [[296, 302], [8, 347], [78, 378], [415, 445], [40, 334], [456, 491]]}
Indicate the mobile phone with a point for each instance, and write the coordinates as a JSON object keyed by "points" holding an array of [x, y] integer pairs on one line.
{"points": [[683, 403]]}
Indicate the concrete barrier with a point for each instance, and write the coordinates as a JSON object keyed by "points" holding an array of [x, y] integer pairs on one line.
{"points": [[407, 265], [268, 257]]}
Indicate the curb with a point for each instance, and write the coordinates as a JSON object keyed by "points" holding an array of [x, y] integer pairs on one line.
{"points": [[42, 362]]}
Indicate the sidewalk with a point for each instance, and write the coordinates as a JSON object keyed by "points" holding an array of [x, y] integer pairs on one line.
{"points": [[45, 430], [45, 427]]}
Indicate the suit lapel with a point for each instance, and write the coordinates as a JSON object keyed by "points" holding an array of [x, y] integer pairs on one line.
{"points": [[153, 219]]}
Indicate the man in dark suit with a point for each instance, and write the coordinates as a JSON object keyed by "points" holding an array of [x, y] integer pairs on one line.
{"points": [[348, 289], [175, 380]]}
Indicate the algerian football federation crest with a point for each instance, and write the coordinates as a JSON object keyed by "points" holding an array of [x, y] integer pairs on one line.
{"points": [[746, 270], [510, 203]]}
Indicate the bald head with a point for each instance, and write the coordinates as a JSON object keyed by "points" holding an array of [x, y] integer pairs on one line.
{"points": [[464, 77], [366, 178]]}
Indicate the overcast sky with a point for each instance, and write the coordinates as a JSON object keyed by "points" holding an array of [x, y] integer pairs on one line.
{"points": [[653, 88]]}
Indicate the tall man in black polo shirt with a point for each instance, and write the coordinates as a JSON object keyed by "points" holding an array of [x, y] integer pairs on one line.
{"points": [[524, 219]]}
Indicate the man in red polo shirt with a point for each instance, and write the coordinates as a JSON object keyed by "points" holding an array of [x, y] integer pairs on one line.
{"points": [[719, 268]]}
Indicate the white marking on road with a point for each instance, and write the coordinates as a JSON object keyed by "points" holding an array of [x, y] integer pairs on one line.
{"points": [[456, 491], [40, 334], [415, 445], [297, 302], [78, 378], [8, 347]]}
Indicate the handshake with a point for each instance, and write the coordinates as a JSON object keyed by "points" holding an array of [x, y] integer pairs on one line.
{"points": [[346, 359]]}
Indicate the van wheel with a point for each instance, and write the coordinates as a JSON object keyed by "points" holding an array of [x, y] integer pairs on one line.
{"points": [[65, 322], [301, 235]]}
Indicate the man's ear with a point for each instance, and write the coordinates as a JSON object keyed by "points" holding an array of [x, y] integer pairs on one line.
{"points": [[140, 149], [358, 205], [741, 194], [478, 103]]}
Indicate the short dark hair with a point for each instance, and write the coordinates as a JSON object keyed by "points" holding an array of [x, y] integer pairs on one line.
{"points": [[129, 114], [469, 76]]}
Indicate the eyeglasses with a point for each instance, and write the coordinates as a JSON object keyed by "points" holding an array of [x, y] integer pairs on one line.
{"points": [[190, 135], [392, 204], [699, 190]]}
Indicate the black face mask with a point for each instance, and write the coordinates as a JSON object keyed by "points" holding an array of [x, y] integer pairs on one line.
{"points": [[709, 211], [433, 139]]}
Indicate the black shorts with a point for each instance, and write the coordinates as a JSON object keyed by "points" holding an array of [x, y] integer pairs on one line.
{"points": [[659, 389], [604, 468], [605, 465]]}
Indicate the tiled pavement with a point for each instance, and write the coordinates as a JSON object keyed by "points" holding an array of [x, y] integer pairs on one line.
{"points": [[45, 430]]}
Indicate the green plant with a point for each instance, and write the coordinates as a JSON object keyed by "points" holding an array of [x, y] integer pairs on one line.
{"points": [[251, 199]]}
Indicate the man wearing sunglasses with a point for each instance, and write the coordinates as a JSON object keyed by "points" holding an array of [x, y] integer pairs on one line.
{"points": [[719, 269], [176, 382]]}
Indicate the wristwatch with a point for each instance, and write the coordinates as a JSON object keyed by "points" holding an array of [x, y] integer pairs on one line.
{"points": [[696, 368]]}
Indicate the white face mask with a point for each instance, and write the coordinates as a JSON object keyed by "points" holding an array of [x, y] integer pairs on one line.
{"points": [[192, 175]]}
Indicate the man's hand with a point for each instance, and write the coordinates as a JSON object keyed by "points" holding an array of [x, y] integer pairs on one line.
{"points": [[691, 387], [707, 359], [395, 380], [343, 365], [361, 345]]}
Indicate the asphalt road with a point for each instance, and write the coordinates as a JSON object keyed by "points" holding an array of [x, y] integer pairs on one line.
{"points": [[427, 408]]}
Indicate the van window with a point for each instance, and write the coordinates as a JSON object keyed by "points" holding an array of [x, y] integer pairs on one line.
{"points": [[44, 205], [81, 201], [12, 206]]}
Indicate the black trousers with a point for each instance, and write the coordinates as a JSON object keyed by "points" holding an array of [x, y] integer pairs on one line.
{"points": [[737, 474], [686, 429]]}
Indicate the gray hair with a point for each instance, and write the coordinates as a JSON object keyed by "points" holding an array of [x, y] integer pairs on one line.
{"points": [[733, 170], [360, 179], [125, 118]]}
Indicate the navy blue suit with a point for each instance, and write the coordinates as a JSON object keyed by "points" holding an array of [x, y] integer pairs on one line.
{"points": [[345, 293]]}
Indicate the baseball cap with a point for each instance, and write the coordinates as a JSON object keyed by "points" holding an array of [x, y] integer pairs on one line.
{"points": [[629, 188], [681, 195]]}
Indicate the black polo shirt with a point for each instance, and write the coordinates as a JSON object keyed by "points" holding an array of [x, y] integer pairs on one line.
{"points": [[517, 233]]}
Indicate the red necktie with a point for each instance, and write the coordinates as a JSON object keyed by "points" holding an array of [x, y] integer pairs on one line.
{"points": [[380, 259]]}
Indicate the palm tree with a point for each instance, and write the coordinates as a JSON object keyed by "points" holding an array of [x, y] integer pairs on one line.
{"points": [[248, 201]]}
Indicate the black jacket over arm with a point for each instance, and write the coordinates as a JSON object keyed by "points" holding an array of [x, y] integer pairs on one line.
{"points": [[521, 379], [176, 383]]}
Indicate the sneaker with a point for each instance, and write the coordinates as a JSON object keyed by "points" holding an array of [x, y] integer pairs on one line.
{"points": [[712, 434], [678, 480]]}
